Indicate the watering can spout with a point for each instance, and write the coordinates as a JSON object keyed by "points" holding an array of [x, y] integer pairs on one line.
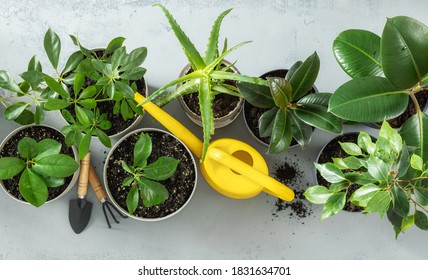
{"points": [[232, 167]]}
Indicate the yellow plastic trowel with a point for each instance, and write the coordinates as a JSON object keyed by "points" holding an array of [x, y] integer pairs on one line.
{"points": [[231, 167]]}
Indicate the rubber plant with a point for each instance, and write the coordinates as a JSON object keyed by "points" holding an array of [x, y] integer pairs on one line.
{"points": [[144, 177], [292, 111], [385, 72], [208, 77], [87, 79], [40, 166], [391, 180]]}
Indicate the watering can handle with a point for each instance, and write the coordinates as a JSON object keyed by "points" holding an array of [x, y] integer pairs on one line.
{"points": [[175, 127], [269, 184]]}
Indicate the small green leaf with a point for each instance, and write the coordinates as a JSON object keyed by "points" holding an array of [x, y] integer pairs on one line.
{"points": [[421, 220], [319, 98], [304, 77], [337, 187], [360, 178], [351, 148], [73, 61], [128, 181], [317, 194], [26, 117], [82, 116], [55, 86], [52, 45], [281, 91], [293, 69], [78, 83], [58, 165], [282, 133], [33, 188], [377, 168], [103, 68], [84, 144], [34, 64], [56, 104], [88, 92], [407, 222], [52, 182], [266, 122], [319, 117], [348, 163], [330, 172], [404, 162], [257, 95], [104, 139], [27, 147], [110, 90], [88, 103], [114, 45], [362, 196], [364, 141], [333, 205], [118, 57], [378, 203], [401, 204], [162, 169], [134, 74], [302, 132], [135, 58], [391, 136], [125, 110], [142, 149], [132, 199], [67, 116], [47, 147], [7, 82], [10, 166], [33, 77], [126, 167], [416, 162], [14, 111], [152, 193], [421, 196], [125, 89]]}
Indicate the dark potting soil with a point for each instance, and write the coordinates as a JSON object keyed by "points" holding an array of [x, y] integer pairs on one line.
{"points": [[38, 133], [290, 175], [252, 113], [422, 98], [223, 103], [180, 185], [333, 150]]}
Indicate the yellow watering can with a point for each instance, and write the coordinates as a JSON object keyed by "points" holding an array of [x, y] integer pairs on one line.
{"points": [[231, 167]]}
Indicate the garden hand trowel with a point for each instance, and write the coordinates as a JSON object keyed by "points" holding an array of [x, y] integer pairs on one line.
{"points": [[80, 209]]}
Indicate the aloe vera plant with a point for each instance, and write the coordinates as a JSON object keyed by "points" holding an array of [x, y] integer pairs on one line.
{"points": [[40, 166], [88, 79], [292, 111], [386, 71], [144, 177], [208, 77], [390, 180]]}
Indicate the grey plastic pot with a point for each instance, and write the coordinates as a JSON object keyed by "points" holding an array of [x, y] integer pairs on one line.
{"points": [[218, 122], [73, 179], [124, 211]]}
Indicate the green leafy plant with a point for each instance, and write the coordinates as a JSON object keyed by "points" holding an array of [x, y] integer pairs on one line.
{"points": [[385, 72], [89, 78], [143, 177], [292, 111], [40, 166], [208, 77], [391, 180]]}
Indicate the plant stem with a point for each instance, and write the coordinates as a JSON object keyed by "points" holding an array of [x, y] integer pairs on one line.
{"points": [[415, 101]]}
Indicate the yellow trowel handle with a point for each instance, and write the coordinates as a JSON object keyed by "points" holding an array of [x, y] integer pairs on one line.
{"points": [[175, 127], [269, 184]]}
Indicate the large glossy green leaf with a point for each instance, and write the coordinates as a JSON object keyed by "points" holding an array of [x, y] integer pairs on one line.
{"points": [[10, 166], [206, 103], [319, 98], [152, 193], [368, 99], [281, 91], [163, 168], [195, 59], [73, 61], [317, 194], [58, 165], [379, 202], [404, 51], [7, 82], [330, 172], [319, 117], [142, 150], [282, 133], [333, 205], [266, 122], [55, 86], [304, 77], [14, 111], [212, 45], [415, 134], [257, 95], [33, 188], [132, 199], [47, 147], [401, 204], [27, 147], [358, 53], [302, 132], [52, 45], [292, 70]]}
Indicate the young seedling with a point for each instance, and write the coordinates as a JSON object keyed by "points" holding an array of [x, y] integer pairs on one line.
{"points": [[144, 177], [40, 166]]}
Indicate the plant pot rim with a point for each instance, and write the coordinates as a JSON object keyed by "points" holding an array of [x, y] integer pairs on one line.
{"points": [[76, 158], [218, 122], [108, 189]]}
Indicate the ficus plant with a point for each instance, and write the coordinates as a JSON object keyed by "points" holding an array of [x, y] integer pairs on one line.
{"points": [[391, 180], [144, 178], [40, 165], [209, 76], [292, 111], [386, 72], [88, 78]]}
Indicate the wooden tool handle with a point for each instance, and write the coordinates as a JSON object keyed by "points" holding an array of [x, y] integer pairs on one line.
{"points": [[96, 184], [82, 187]]}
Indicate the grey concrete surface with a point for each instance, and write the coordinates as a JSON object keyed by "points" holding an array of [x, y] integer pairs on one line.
{"points": [[211, 226]]}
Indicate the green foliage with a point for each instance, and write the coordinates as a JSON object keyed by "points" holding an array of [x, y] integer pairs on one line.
{"points": [[292, 111], [389, 180], [86, 80], [143, 177], [208, 77], [40, 166]]}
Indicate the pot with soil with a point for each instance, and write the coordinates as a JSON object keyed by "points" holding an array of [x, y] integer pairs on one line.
{"points": [[41, 167], [150, 175], [226, 108]]}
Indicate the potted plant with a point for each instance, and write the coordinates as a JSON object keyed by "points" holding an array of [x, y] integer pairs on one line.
{"points": [[208, 77], [290, 111], [386, 72], [390, 179], [36, 166], [94, 91], [150, 175]]}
